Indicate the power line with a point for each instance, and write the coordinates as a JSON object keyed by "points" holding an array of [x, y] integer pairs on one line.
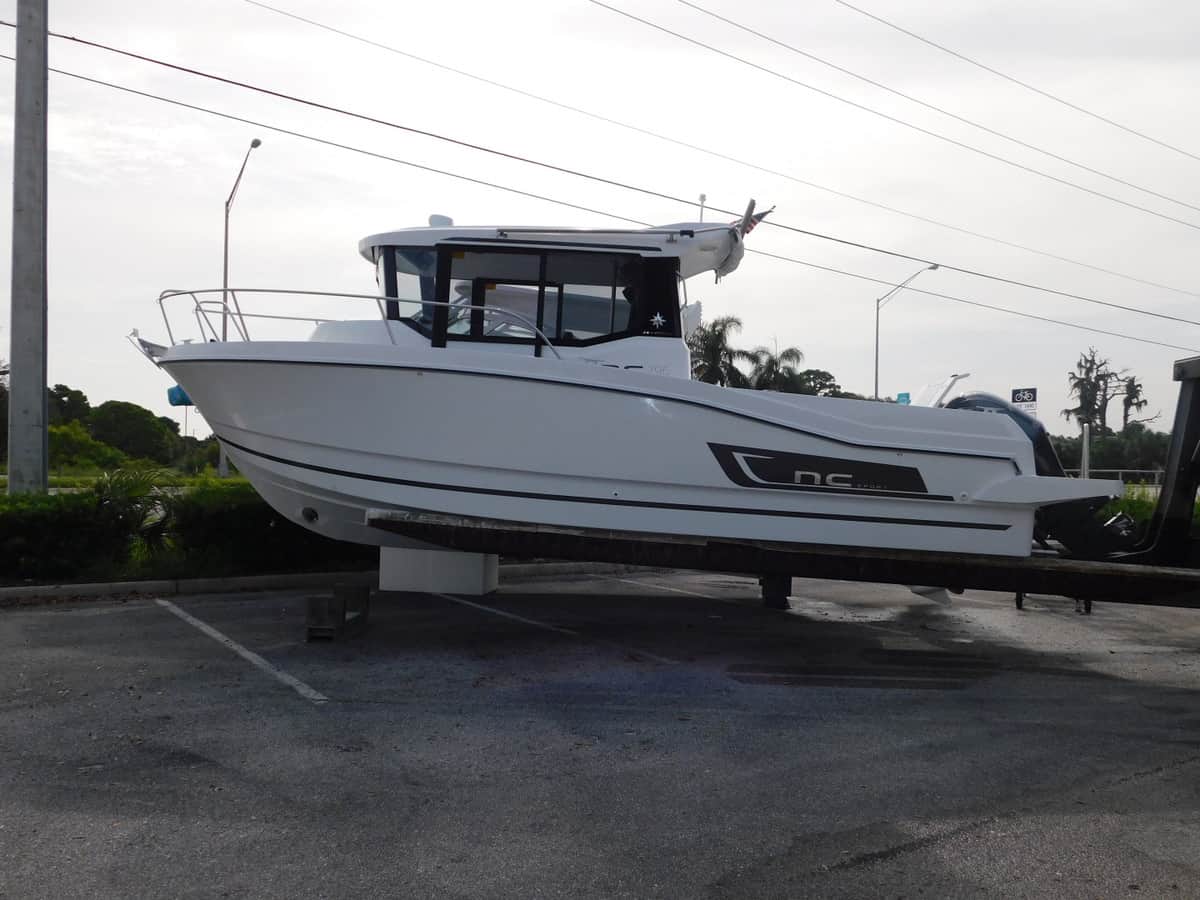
{"points": [[618, 184], [713, 153], [340, 146], [1018, 81], [951, 297], [978, 274], [909, 97], [328, 143], [934, 134]]}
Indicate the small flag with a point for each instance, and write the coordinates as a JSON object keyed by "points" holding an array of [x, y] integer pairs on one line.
{"points": [[753, 220]]}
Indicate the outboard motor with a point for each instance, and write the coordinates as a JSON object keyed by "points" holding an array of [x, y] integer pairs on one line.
{"points": [[1046, 460], [1073, 524]]}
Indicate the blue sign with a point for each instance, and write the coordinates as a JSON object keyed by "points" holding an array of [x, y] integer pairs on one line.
{"points": [[904, 398]]}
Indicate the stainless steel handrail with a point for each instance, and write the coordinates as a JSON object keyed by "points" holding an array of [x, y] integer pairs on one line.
{"points": [[202, 308]]}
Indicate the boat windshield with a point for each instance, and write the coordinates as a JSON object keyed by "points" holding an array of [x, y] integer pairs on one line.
{"points": [[416, 273]]}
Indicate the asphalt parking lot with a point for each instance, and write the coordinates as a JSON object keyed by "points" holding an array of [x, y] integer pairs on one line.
{"points": [[640, 735]]}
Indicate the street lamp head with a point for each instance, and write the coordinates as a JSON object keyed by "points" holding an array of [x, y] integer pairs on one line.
{"points": [[933, 267], [257, 143]]}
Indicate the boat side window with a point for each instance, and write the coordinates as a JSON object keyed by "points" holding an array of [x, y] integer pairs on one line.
{"points": [[521, 299], [590, 298], [483, 281], [574, 297]]}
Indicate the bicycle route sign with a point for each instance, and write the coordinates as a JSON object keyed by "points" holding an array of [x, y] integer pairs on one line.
{"points": [[1025, 399]]}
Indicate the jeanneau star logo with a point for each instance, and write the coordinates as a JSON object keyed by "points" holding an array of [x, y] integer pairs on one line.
{"points": [[657, 320]]}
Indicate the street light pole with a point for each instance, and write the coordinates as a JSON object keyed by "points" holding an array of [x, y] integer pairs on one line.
{"points": [[225, 258], [879, 304], [223, 459]]}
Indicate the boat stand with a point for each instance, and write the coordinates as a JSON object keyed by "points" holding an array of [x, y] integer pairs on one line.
{"points": [[345, 612], [438, 571], [775, 591]]}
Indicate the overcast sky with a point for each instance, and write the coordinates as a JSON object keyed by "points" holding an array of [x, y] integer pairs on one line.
{"points": [[137, 187]]}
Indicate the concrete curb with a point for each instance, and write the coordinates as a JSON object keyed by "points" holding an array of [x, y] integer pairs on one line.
{"points": [[26, 595], [21, 595]]}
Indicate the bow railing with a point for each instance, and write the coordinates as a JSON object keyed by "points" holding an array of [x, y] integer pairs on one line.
{"points": [[217, 310]]}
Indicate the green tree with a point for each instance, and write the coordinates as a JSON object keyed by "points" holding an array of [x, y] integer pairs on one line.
{"points": [[195, 455], [64, 404], [71, 447], [174, 439], [1134, 447], [816, 382], [775, 371], [133, 430], [714, 359]]}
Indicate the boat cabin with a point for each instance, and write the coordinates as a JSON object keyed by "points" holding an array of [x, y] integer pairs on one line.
{"points": [[531, 285]]}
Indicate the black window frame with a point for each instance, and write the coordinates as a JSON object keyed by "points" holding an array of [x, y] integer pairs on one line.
{"points": [[437, 332], [390, 285]]}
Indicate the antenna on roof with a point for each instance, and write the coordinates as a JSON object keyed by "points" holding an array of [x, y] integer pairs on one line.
{"points": [[703, 198], [436, 221]]}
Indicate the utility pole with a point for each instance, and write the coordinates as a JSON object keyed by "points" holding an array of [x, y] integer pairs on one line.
{"points": [[28, 453]]}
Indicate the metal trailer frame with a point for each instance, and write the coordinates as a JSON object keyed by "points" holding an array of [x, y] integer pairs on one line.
{"points": [[1163, 569], [1118, 582]]}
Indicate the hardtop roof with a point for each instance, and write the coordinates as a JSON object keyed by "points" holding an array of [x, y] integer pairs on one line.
{"points": [[699, 246]]}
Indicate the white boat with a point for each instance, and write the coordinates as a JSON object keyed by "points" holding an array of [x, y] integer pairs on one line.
{"points": [[540, 375]]}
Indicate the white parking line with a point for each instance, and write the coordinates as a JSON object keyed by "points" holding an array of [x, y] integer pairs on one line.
{"points": [[499, 612], [567, 631], [661, 587], [249, 655]]}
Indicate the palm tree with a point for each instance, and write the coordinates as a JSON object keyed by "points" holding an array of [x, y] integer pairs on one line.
{"points": [[1085, 383], [775, 371], [1133, 400], [713, 359]]}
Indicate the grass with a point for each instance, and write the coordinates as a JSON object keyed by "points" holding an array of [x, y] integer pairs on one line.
{"points": [[1139, 505]]}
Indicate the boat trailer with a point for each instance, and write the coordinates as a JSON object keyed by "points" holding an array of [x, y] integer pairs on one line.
{"points": [[776, 563], [1161, 569]]}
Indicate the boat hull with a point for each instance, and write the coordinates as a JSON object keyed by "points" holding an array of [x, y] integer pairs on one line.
{"points": [[328, 432]]}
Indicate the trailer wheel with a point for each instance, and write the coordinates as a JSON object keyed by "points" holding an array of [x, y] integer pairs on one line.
{"points": [[1019, 600], [1087, 607]]}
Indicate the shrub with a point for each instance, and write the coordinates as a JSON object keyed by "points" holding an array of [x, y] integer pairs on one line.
{"points": [[59, 536], [139, 500], [130, 525], [223, 526]]}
